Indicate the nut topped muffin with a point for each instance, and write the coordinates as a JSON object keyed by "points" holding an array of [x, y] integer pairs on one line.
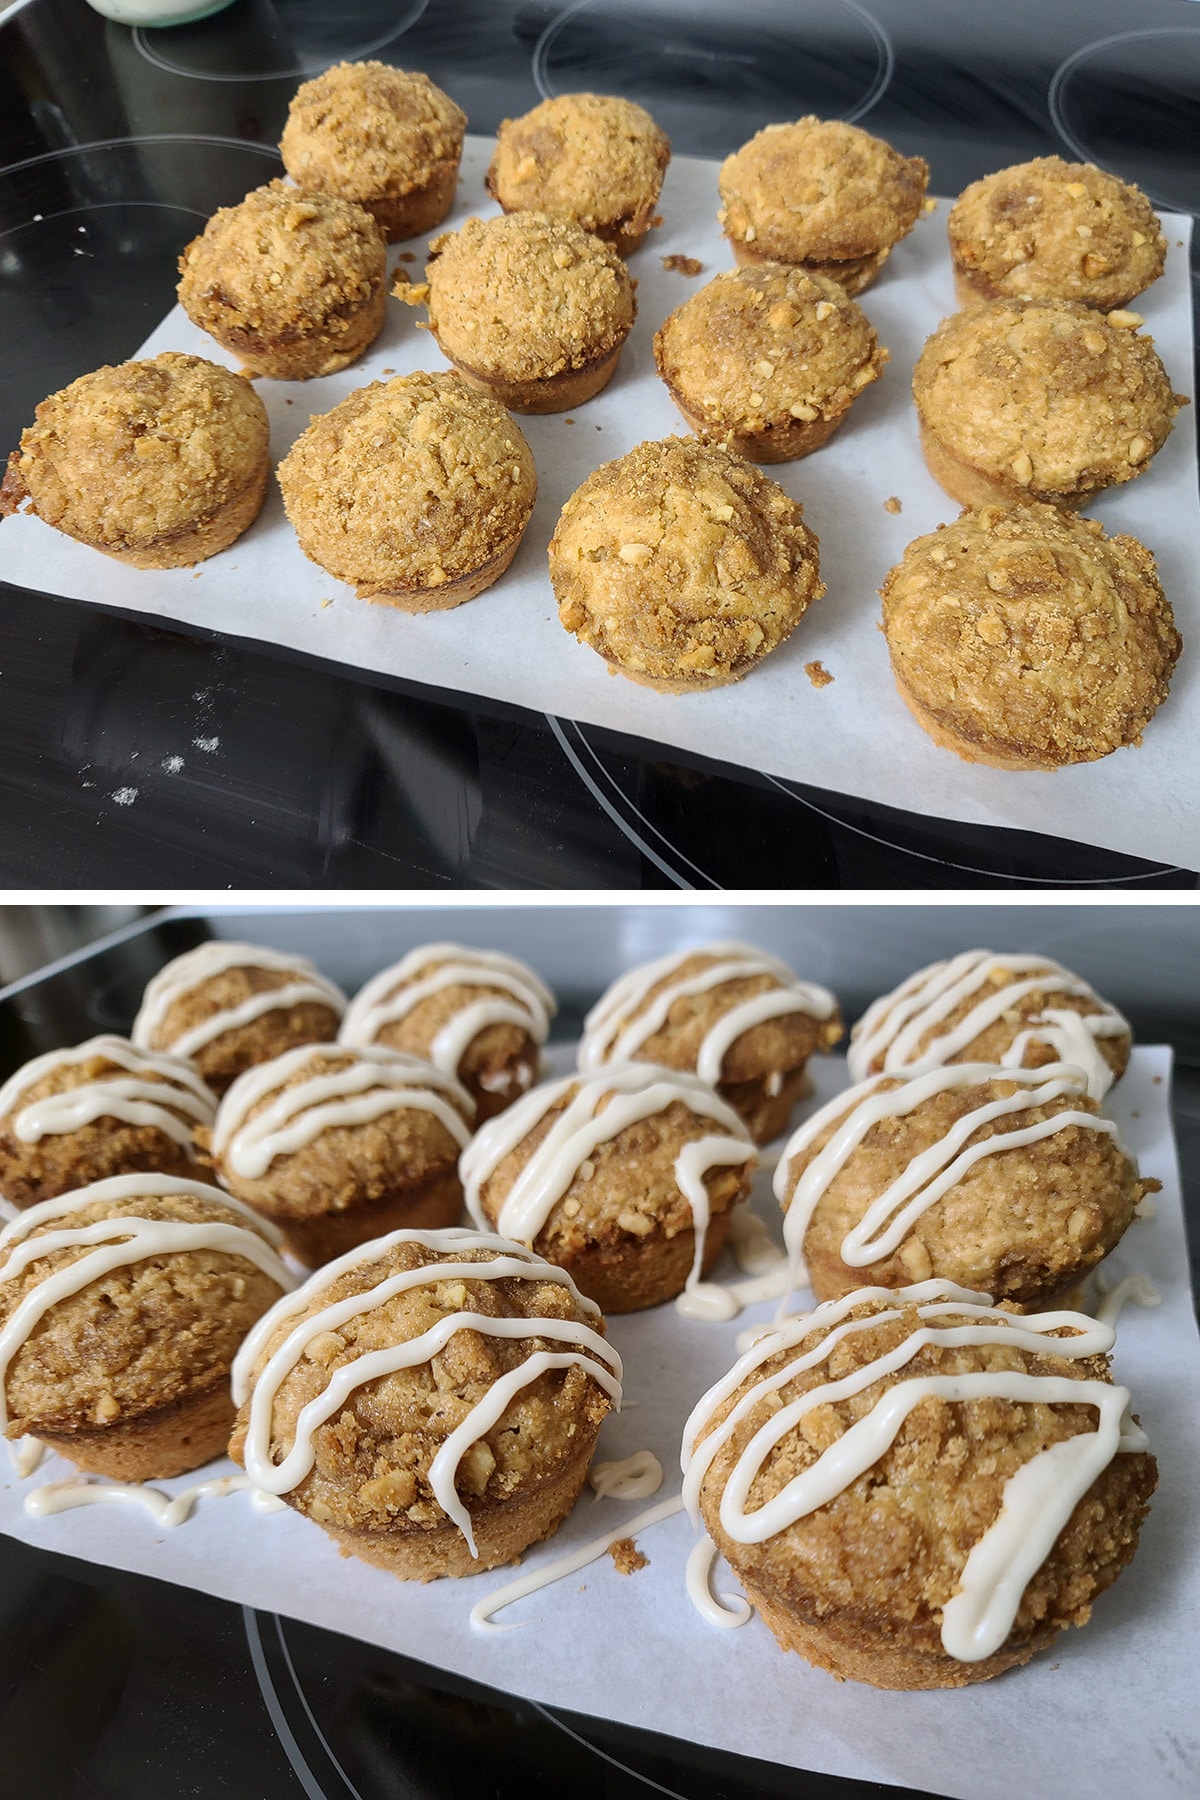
{"points": [[432, 1400], [918, 1489], [682, 565], [533, 310], [593, 158], [104, 1108], [160, 463], [415, 491], [822, 194], [295, 284], [1025, 638], [384, 137], [767, 360], [1039, 400], [121, 1307], [1054, 230]]}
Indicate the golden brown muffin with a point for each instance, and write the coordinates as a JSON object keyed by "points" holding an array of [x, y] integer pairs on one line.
{"points": [[682, 566], [1024, 638], [909, 1191], [105, 1108], [386, 138], [227, 1007], [1023, 1011], [899, 1556], [767, 360], [160, 463], [593, 158], [121, 1307], [416, 492], [533, 310], [1025, 400], [470, 1445], [822, 194], [1054, 230], [478, 1015], [295, 284], [625, 1179], [736, 1016], [336, 1145]]}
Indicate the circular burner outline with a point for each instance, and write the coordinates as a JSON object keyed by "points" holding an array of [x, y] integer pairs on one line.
{"points": [[353, 53], [883, 45], [156, 137], [1058, 80], [103, 206]]}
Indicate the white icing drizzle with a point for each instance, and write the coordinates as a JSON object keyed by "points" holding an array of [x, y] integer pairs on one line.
{"points": [[188, 972], [635, 1477], [616, 1028], [172, 1104], [164, 1509], [1037, 1500], [633, 1092], [1136, 1290], [931, 1174], [724, 1612], [377, 1081], [25, 1454], [1146, 1208], [763, 1262], [589, 1351], [521, 998], [893, 1026], [482, 1613], [115, 1243]]}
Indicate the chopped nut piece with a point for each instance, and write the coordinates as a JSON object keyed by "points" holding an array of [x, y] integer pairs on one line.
{"points": [[637, 554], [825, 310], [636, 1223], [1124, 320], [1076, 190], [1022, 467], [915, 1258], [1139, 449], [765, 369], [800, 409]]}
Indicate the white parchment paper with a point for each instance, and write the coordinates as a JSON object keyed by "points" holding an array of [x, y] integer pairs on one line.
{"points": [[1109, 1712], [855, 736]]}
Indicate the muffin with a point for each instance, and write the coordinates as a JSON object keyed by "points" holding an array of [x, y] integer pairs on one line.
{"points": [[1027, 639], [432, 1400], [336, 1145], [533, 310], [477, 1015], [293, 283], [939, 1488], [826, 196], [1002, 1179], [682, 566], [767, 360], [592, 158], [1025, 400], [121, 1307], [625, 1179], [734, 1015], [385, 138], [227, 1007], [1054, 230], [161, 463], [415, 491], [1020, 1011], [73, 1117]]}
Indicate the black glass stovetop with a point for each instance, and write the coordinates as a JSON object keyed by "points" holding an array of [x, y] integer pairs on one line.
{"points": [[135, 754]]}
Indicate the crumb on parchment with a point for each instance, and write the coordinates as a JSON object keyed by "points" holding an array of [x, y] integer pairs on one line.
{"points": [[818, 674], [626, 1556], [892, 504], [676, 264]]}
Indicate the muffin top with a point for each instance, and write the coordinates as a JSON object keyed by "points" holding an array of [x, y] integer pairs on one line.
{"points": [[135, 453], [1056, 230], [423, 477], [765, 346], [593, 158], [169, 1275], [454, 1314], [107, 1077], [364, 130], [447, 1002], [680, 560], [281, 263], [222, 986], [981, 1006], [525, 296], [1002, 1179], [1032, 633], [1045, 393], [819, 191], [876, 1529]]}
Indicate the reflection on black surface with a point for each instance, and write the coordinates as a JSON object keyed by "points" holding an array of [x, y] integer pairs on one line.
{"points": [[267, 38], [1132, 104]]}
